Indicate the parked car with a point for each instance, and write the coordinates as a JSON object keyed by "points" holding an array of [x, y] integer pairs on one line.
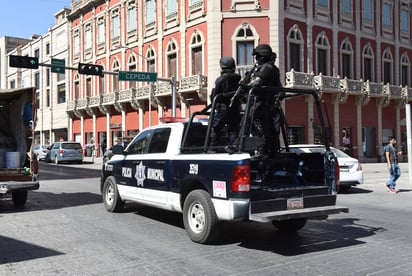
{"points": [[65, 152], [40, 151], [350, 168]]}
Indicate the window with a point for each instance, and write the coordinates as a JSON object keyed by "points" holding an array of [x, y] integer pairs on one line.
{"points": [[345, 7], [150, 60], [115, 24], [196, 54], [295, 47], [61, 93], [47, 77], [368, 63], [88, 87], [47, 48], [115, 78], [346, 59], [131, 17], [100, 31], [150, 11], [171, 7], [296, 135], [138, 145], [76, 43], [37, 80], [404, 18], [48, 97], [88, 37], [159, 141], [76, 87], [13, 84], [387, 67], [387, 14], [245, 39], [37, 100], [101, 86], [37, 53], [132, 67], [405, 69], [323, 3], [61, 76], [367, 10], [171, 57], [322, 52]]}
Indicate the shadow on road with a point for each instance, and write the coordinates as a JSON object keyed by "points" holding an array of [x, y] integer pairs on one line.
{"points": [[50, 171], [356, 190], [12, 251], [37, 201]]}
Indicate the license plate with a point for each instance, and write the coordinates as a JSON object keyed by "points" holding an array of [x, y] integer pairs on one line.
{"points": [[344, 169], [295, 203]]}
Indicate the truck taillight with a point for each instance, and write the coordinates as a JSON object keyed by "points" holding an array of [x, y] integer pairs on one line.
{"points": [[35, 167], [337, 173], [241, 178]]}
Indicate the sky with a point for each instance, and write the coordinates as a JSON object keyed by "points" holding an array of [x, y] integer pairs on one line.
{"points": [[23, 18]]}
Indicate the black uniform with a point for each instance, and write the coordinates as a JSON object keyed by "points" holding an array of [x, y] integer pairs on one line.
{"points": [[224, 113]]}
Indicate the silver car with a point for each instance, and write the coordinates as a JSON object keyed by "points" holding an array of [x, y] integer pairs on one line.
{"points": [[40, 151], [65, 152]]}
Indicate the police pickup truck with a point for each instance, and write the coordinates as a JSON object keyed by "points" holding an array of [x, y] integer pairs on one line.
{"points": [[173, 167]]}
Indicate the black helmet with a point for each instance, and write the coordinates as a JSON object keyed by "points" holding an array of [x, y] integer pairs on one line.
{"points": [[263, 50], [227, 63]]}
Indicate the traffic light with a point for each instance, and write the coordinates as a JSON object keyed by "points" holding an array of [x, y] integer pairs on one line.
{"points": [[23, 62], [90, 69]]}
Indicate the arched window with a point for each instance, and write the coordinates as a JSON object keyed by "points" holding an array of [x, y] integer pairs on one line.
{"points": [[322, 54], [196, 57], [101, 84], [150, 60], [346, 54], [405, 70], [368, 63], [245, 38], [387, 68], [295, 49], [115, 78], [171, 59], [132, 66]]}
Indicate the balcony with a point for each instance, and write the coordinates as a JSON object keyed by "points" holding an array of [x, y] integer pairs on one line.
{"points": [[195, 83]]}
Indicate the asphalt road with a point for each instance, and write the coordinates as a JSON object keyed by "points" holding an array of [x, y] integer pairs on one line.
{"points": [[65, 230]]}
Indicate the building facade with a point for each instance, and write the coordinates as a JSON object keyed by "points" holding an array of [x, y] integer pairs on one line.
{"points": [[357, 53], [52, 89]]}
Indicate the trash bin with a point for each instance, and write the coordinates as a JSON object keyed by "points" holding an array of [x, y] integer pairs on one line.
{"points": [[88, 152]]}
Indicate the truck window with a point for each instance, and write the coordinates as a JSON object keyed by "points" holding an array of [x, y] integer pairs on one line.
{"points": [[159, 141], [138, 146]]}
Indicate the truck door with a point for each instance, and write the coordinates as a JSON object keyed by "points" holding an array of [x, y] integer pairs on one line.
{"points": [[157, 170]]}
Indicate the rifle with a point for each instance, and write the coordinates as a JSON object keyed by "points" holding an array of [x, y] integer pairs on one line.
{"points": [[242, 83]]}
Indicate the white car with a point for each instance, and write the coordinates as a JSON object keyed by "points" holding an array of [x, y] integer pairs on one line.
{"points": [[40, 151], [350, 168]]}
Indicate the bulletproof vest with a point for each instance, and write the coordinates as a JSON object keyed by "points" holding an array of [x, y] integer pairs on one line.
{"points": [[230, 83], [267, 72]]}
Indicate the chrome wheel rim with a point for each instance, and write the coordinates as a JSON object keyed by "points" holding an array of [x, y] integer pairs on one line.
{"points": [[196, 217]]}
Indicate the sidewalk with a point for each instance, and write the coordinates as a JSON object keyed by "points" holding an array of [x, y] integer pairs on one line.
{"points": [[92, 163]]}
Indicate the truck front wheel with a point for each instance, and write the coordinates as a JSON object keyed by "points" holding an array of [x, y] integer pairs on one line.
{"points": [[111, 198], [199, 217], [291, 225], [19, 198]]}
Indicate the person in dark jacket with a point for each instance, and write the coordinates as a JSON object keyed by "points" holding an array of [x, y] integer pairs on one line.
{"points": [[267, 113], [226, 114]]}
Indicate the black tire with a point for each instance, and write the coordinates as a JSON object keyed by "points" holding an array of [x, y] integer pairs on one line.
{"points": [[19, 198], [111, 198], [291, 225], [48, 160], [199, 217]]}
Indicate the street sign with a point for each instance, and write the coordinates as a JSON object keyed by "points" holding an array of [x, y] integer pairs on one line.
{"points": [[137, 76], [58, 65]]}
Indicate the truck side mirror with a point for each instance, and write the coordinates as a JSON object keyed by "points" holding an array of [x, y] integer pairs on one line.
{"points": [[117, 149]]}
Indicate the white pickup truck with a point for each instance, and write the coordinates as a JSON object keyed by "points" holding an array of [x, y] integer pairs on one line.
{"points": [[171, 167], [18, 165]]}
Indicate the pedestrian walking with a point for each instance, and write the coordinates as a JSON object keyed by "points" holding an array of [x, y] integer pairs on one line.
{"points": [[391, 154]]}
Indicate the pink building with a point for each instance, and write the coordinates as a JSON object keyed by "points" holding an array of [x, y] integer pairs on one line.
{"points": [[356, 52]]}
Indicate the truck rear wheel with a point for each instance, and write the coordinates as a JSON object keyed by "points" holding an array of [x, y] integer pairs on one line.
{"points": [[291, 225], [199, 217], [19, 198], [111, 198]]}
